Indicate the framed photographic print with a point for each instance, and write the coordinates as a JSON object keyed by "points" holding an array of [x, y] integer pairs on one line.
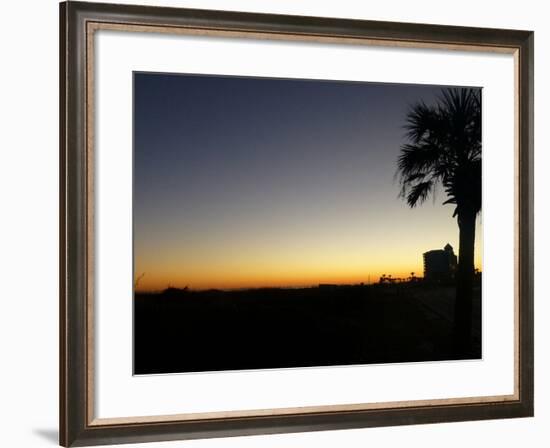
{"points": [[278, 223]]}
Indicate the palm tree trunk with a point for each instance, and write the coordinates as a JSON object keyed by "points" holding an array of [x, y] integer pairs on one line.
{"points": [[464, 285]]}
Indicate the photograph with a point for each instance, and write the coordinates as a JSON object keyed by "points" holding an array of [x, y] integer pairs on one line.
{"points": [[291, 223]]}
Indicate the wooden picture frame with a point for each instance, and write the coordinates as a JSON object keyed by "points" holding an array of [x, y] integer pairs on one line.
{"points": [[78, 22]]}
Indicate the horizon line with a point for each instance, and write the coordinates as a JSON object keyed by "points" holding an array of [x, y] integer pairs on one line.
{"points": [[396, 280]]}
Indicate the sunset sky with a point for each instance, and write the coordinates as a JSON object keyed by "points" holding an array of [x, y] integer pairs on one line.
{"points": [[247, 182]]}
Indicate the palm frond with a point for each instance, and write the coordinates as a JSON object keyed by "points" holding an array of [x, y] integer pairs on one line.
{"points": [[419, 192], [420, 120], [444, 146], [418, 158]]}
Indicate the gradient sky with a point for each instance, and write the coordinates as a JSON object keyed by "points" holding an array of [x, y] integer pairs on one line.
{"points": [[245, 182]]}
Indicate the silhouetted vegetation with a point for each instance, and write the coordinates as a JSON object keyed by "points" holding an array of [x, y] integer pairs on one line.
{"points": [[445, 149], [180, 330]]}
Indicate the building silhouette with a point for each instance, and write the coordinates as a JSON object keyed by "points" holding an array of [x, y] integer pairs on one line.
{"points": [[440, 264]]}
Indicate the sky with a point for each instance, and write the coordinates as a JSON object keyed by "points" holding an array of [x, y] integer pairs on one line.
{"points": [[249, 182]]}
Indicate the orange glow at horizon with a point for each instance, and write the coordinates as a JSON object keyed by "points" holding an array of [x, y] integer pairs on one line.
{"points": [[266, 281], [278, 268]]}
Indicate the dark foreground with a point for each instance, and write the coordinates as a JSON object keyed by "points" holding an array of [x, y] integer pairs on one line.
{"points": [[187, 331]]}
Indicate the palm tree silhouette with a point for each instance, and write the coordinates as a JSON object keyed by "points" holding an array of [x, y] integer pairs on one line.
{"points": [[445, 149]]}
